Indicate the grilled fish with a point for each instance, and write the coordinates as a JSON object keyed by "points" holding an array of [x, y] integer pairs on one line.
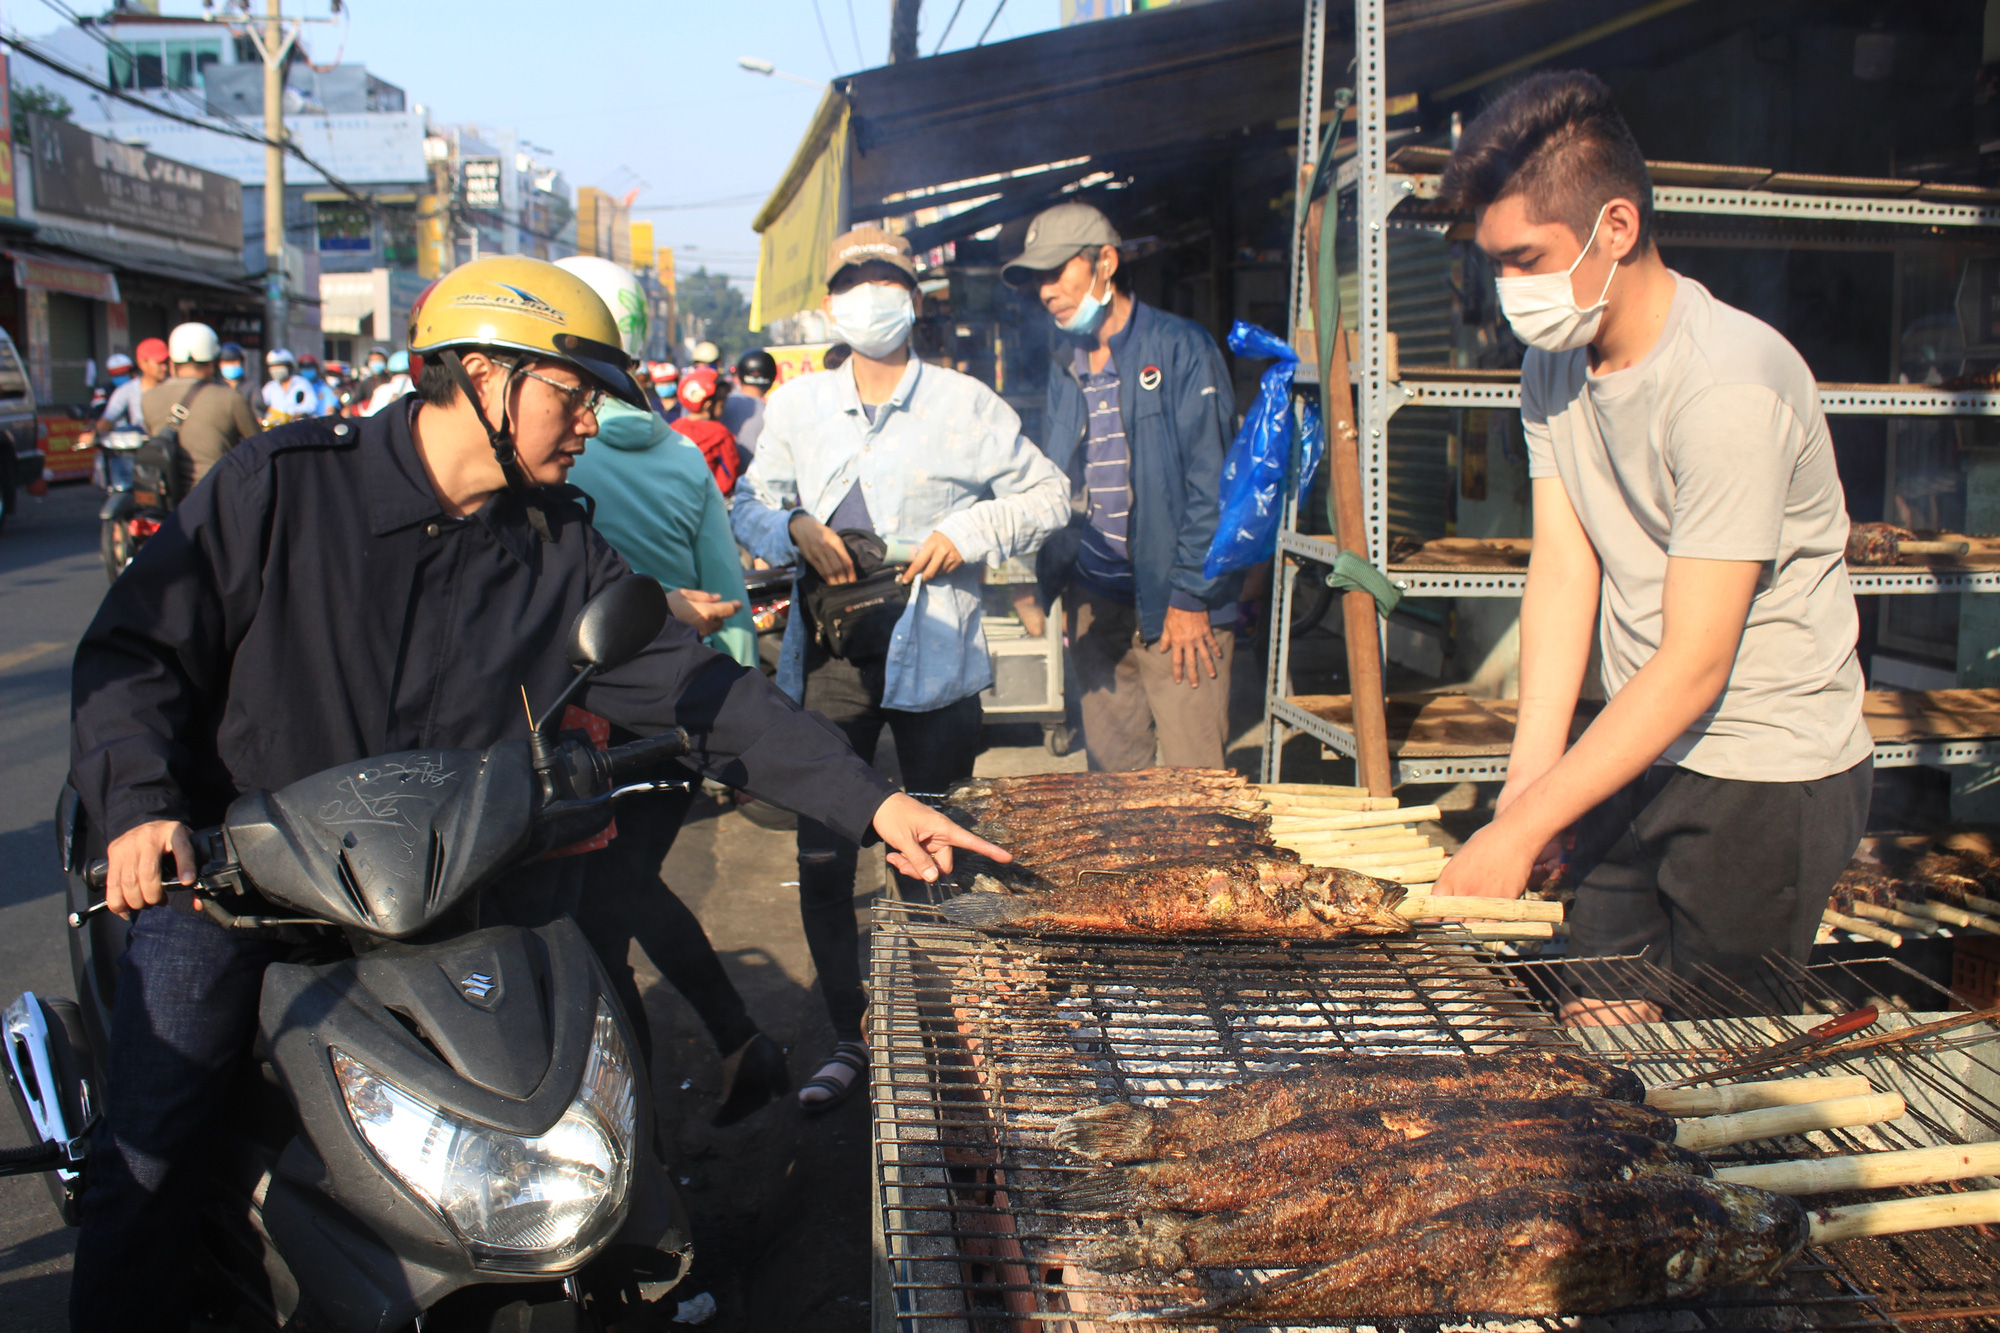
{"points": [[1184, 778], [1259, 896], [1066, 829], [1314, 1219], [1244, 1173], [1077, 868], [1122, 1132], [1557, 1247]]}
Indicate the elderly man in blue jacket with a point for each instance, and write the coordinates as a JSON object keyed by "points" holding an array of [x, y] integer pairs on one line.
{"points": [[1139, 415]]}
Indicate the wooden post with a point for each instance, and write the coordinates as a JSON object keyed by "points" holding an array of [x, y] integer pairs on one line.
{"points": [[1343, 474]]}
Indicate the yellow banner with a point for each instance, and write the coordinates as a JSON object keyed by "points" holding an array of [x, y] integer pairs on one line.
{"points": [[801, 218]]}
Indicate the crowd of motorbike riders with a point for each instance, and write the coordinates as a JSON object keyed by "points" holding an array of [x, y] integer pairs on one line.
{"points": [[229, 647]]}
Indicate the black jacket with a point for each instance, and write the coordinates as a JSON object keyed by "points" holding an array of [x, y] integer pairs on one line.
{"points": [[309, 604]]}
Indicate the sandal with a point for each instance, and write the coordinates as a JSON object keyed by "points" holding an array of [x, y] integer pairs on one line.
{"points": [[836, 1080], [753, 1077]]}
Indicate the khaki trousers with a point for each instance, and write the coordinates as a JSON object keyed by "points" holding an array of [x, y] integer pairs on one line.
{"points": [[1131, 707]]}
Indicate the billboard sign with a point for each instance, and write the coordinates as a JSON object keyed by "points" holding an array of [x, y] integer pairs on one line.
{"points": [[482, 182], [84, 175]]}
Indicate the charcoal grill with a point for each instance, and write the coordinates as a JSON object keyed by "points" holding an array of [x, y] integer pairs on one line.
{"points": [[980, 1043]]}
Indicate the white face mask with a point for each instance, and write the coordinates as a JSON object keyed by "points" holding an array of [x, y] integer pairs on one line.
{"points": [[874, 318], [1542, 306], [1090, 310]]}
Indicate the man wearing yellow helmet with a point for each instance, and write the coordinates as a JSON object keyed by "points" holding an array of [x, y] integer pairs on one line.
{"points": [[339, 588]]}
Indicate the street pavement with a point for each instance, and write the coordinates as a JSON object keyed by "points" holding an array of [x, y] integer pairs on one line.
{"points": [[780, 1202], [51, 580]]}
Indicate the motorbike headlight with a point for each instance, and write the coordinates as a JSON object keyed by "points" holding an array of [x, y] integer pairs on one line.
{"points": [[527, 1204]]}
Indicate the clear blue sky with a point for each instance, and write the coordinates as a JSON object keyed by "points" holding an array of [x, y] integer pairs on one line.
{"points": [[629, 94]]}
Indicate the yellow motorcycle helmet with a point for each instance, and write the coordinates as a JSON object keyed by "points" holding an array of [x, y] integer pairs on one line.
{"points": [[513, 303]]}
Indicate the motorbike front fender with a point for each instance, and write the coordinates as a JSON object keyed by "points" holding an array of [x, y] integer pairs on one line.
{"points": [[119, 505]]}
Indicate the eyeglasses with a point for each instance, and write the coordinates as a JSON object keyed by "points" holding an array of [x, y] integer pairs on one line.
{"points": [[577, 395]]}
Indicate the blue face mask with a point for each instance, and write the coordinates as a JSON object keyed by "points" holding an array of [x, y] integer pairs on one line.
{"points": [[117, 380], [310, 374], [232, 372], [1091, 311]]}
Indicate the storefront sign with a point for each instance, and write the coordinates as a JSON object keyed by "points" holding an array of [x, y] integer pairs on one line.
{"points": [[85, 175], [482, 182], [34, 272], [798, 359]]}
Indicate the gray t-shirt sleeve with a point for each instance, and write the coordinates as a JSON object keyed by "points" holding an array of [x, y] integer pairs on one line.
{"points": [[1535, 423], [1731, 451]]}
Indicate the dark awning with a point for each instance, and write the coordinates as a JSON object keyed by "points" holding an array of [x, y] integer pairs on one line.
{"points": [[1195, 72]]}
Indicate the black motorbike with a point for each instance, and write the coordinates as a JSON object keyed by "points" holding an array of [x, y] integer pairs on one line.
{"points": [[130, 513], [444, 1126]]}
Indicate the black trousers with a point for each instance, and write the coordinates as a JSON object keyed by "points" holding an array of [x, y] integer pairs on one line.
{"points": [[1707, 876], [625, 899], [935, 748]]}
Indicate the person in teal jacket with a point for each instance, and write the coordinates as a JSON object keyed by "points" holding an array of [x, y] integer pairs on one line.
{"points": [[641, 473], [658, 506]]}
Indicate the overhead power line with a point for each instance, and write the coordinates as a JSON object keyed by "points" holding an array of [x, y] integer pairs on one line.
{"points": [[249, 136], [990, 22]]}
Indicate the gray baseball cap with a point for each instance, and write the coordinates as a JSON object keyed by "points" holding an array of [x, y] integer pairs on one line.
{"points": [[1056, 236]]}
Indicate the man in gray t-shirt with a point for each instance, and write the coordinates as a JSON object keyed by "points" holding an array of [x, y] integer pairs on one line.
{"points": [[1688, 511]]}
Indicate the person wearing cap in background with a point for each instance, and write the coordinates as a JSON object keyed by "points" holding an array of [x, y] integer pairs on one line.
{"points": [[918, 457], [666, 378], [706, 354], [1140, 413], [374, 374], [234, 372], [702, 393], [212, 418], [325, 401], [395, 383], [119, 370], [123, 411], [287, 396], [743, 410]]}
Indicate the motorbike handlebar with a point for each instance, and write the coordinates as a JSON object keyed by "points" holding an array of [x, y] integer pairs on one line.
{"points": [[643, 759]]}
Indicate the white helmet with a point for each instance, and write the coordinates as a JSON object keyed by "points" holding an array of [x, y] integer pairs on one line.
{"points": [[280, 356], [621, 293], [193, 342], [707, 354]]}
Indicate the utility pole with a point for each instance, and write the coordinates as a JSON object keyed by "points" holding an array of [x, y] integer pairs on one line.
{"points": [[274, 43], [903, 30]]}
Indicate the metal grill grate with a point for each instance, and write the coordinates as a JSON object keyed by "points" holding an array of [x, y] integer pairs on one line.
{"points": [[980, 1043]]}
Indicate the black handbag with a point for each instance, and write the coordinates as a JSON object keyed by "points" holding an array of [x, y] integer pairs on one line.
{"points": [[855, 621]]}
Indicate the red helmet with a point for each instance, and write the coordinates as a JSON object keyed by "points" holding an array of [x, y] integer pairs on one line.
{"points": [[152, 349]]}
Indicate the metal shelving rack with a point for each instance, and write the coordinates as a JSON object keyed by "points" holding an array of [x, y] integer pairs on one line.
{"points": [[1379, 190]]}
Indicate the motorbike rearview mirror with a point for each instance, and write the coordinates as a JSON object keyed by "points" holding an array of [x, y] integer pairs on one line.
{"points": [[616, 625], [613, 628]]}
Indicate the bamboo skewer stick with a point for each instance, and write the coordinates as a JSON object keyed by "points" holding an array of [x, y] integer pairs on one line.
{"points": [[1314, 833], [1772, 1122], [1876, 912], [1869, 1171], [1728, 1097], [1954, 916], [1308, 789], [1894, 1216], [1423, 874], [1510, 930], [1405, 842], [1489, 909], [1282, 803], [1990, 906], [1347, 819], [1881, 934], [1408, 857]]}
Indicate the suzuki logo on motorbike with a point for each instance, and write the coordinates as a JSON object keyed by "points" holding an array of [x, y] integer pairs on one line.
{"points": [[478, 985]]}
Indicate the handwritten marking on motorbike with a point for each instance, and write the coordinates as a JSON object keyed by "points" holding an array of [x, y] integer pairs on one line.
{"points": [[377, 795]]}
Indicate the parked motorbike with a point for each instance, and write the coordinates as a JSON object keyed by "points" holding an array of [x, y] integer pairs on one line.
{"points": [[445, 1125], [129, 516]]}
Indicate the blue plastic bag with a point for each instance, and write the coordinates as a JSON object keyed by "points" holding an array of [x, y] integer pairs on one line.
{"points": [[1253, 473]]}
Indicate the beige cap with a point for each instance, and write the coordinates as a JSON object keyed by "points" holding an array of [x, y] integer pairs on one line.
{"points": [[869, 243], [1056, 236]]}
